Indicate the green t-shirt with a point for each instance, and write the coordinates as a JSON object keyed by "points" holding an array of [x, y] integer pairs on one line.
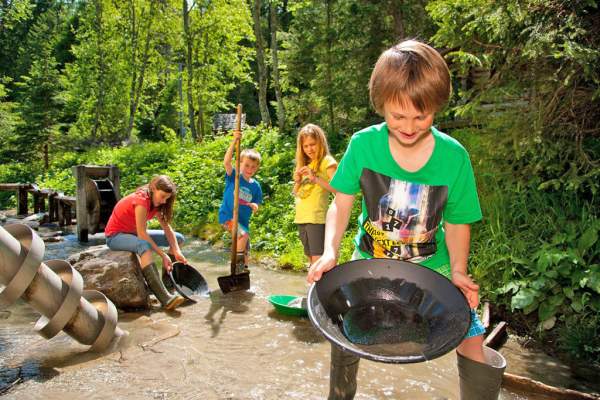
{"points": [[403, 212]]}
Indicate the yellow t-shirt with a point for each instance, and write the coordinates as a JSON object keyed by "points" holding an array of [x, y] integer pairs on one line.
{"points": [[312, 200]]}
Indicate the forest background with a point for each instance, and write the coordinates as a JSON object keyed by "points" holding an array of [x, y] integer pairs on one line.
{"points": [[137, 83]]}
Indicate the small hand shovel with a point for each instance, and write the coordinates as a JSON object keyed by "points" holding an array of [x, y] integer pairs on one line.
{"points": [[235, 281]]}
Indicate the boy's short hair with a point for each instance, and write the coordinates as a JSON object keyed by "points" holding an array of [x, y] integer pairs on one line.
{"points": [[413, 71], [251, 154]]}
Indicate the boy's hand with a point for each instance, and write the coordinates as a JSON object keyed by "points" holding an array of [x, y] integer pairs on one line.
{"points": [[323, 264], [253, 206], [469, 288], [237, 135]]}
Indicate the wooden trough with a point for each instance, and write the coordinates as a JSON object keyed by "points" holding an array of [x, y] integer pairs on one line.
{"points": [[97, 195], [60, 208]]}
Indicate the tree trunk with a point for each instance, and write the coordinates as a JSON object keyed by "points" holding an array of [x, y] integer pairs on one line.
{"points": [[137, 83], [396, 12], [329, 77], [274, 56], [46, 157], [189, 67], [201, 123], [101, 70], [262, 68]]}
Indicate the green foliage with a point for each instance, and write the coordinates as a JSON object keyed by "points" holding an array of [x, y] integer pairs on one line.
{"points": [[39, 93], [10, 120], [543, 93], [535, 252], [329, 53], [15, 173], [581, 338]]}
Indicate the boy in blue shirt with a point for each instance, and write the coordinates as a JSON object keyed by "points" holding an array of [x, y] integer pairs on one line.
{"points": [[419, 199], [249, 199]]}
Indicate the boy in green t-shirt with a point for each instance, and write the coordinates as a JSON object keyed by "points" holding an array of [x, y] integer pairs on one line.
{"points": [[419, 197]]}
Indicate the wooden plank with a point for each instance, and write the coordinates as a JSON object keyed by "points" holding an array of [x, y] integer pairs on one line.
{"points": [[66, 199], [94, 171], [494, 339], [485, 315], [13, 186], [531, 386]]}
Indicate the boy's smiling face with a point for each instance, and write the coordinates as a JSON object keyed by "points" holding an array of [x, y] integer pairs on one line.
{"points": [[248, 167], [407, 125]]}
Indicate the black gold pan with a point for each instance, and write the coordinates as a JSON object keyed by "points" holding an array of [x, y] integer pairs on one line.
{"points": [[389, 310]]}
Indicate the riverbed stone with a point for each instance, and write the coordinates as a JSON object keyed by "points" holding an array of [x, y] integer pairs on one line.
{"points": [[114, 273], [35, 225]]}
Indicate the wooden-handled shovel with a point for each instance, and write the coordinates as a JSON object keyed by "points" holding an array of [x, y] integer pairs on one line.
{"points": [[241, 281]]}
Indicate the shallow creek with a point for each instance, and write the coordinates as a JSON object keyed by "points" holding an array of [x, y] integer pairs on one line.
{"points": [[223, 347]]}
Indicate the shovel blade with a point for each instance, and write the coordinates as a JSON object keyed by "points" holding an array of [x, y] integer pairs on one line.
{"points": [[234, 283]]}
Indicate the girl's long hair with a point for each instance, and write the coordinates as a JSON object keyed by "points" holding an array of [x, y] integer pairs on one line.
{"points": [[164, 183], [315, 132]]}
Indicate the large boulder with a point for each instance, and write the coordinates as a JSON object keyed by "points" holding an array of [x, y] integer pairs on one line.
{"points": [[114, 273]]}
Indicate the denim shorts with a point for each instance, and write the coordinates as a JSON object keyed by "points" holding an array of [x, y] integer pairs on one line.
{"points": [[130, 242]]}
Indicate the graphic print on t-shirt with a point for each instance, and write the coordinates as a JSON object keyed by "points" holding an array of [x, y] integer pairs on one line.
{"points": [[245, 195], [403, 217]]}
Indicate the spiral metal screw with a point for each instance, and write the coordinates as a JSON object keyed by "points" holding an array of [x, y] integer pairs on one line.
{"points": [[55, 289]]}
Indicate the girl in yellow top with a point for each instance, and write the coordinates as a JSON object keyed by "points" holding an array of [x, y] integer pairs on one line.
{"points": [[314, 169]]}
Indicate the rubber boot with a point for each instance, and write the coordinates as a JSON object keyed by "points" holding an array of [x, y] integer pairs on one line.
{"points": [[168, 300], [479, 381], [342, 374]]}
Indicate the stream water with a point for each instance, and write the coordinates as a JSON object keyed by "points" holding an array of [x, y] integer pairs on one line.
{"points": [[223, 347]]}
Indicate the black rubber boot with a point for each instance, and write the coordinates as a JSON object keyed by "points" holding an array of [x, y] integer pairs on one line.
{"points": [[479, 381], [342, 374], [168, 300]]}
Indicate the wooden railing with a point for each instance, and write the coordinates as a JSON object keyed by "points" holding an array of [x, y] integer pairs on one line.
{"points": [[60, 208]]}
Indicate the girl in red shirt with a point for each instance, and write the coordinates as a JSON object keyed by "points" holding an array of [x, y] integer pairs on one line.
{"points": [[126, 231]]}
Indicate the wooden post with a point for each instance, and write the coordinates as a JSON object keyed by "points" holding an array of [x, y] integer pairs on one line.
{"points": [[61, 213], [68, 214], [22, 200], [115, 176], [80, 206], [53, 206]]}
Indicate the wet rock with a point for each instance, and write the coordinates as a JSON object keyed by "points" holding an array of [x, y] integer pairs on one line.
{"points": [[2, 218], [47, 234], [32, 224], [114, 273], [35, 217], [52, 239]]}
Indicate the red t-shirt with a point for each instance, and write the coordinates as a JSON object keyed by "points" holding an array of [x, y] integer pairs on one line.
{"points": [[122, 219]]}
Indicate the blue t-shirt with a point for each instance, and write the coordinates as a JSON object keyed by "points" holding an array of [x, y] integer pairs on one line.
{"points": [[250, 192]]}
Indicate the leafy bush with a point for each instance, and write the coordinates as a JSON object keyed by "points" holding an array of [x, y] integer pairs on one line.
{"points": [[536, 251]]}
